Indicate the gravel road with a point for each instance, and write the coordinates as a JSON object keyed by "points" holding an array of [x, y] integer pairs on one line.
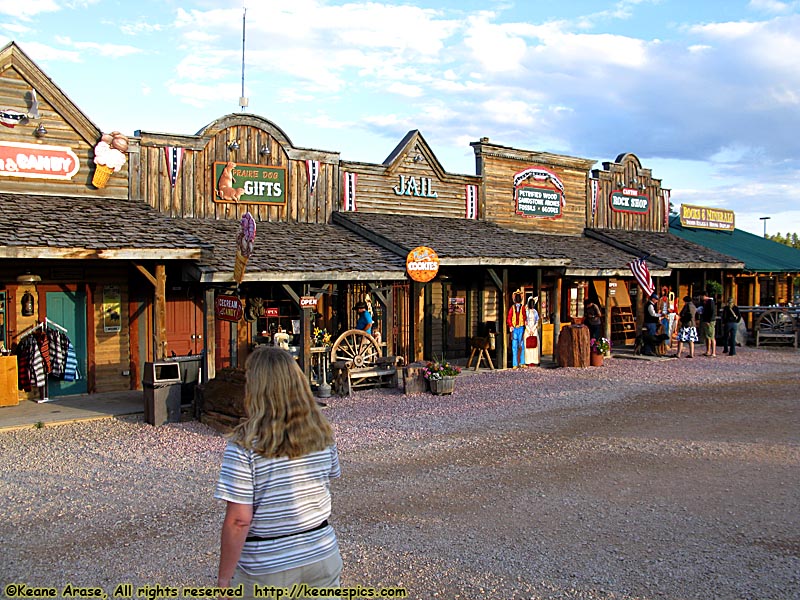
{"points": [[667, 479]]}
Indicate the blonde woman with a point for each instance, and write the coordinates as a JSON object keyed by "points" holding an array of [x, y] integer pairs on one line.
{"points": [[275, 479]]}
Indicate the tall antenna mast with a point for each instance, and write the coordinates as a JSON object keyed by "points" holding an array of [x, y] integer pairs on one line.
{"points": [[243, 102]]}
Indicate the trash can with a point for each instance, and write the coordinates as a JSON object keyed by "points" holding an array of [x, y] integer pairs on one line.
{"points": [[162, 393], [190, 368]]}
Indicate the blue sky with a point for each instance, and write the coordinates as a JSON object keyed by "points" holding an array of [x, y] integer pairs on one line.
{"points": [[705, 92]]}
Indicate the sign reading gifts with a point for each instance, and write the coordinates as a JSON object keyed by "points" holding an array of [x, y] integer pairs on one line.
{"points": [[37, 161], [629, 200], [251, 184]]}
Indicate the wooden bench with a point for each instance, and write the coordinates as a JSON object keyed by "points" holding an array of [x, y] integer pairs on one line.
{"points": [[356, 363], [776, 326]]}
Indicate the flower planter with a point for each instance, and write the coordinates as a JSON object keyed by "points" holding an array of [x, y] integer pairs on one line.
{"points": [[445, 385], [595, 359]]}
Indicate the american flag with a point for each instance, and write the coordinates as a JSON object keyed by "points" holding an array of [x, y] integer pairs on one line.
{"points": [[639, 269]]}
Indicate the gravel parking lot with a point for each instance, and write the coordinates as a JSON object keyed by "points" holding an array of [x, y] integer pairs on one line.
{"points": [[664, 479]]}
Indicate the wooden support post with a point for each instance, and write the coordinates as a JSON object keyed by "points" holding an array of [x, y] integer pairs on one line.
{"points": [[305, 332], [608, 311], [161, 312], [557, 317], [210, 336]]}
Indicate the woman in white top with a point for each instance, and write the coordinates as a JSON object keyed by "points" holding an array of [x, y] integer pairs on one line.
{"points": [[275, 478], [532, 331]]}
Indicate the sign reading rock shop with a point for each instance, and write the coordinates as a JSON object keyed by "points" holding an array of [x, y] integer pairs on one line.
{"points": [[37, 161], [250, 184], [539, 202], [707, 218], [422, 264], [630, 201]]}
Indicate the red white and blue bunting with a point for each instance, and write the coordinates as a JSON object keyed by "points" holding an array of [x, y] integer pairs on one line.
{"points": [[472, 202], [595, 185], [312, 166], [541, 175], [174, 157], [665, 196], [349, 200]]}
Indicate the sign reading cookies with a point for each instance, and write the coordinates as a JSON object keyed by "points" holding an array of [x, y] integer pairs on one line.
{"points": [[422, 264], [249, 184]]}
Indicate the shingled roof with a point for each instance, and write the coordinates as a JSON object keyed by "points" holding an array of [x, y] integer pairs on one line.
{"points": [[457, 242], [294, 252], [85, 227], [465, 242], [665, 249]]}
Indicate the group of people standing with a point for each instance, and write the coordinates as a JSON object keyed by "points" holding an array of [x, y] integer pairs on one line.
{"points": [[703, 311]]}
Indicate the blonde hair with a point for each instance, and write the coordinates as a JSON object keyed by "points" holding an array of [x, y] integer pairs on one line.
{"points": [[283, 418]]}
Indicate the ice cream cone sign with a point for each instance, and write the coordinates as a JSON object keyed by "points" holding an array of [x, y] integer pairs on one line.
{"points": [[109, 156], [244, 245]]}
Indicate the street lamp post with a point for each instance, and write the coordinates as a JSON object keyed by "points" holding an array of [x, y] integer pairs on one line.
{"points": [[765, 219]]}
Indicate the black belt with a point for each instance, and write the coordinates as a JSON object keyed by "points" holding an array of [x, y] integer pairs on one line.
{"points": [[255, 538]]}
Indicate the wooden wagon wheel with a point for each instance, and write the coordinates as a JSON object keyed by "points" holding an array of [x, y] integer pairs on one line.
{"points": [[776, 321], [356, 347]]}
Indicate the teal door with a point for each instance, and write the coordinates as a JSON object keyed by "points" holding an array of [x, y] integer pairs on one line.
{"points": [[68, 309]]}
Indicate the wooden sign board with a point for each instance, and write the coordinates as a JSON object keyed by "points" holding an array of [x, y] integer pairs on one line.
{"points": [[707, 218], [37, 161], [249, 184], [308, 302], [630, 201], [228, 308]]}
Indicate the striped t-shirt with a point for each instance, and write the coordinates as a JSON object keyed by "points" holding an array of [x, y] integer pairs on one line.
{"points": [[288, 496]]}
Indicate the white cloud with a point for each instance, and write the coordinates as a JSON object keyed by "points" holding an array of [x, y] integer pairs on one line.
{"points": [[199, 95], [15, 28], [772, 6], [404, 89], [109, 50], [46, 53], [27, 9], [139, 27]]}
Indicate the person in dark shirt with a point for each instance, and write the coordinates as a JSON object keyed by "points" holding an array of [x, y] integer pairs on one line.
{"points": [[708, 320], [730, 323]]}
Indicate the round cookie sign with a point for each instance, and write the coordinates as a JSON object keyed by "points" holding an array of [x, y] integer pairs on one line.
{"points": [[422, 264]]}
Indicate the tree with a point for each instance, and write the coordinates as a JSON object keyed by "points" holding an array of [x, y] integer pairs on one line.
{"points": [[791, 239]]}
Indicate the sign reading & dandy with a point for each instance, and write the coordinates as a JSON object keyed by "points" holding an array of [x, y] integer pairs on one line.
{"points": [[37, 161]]}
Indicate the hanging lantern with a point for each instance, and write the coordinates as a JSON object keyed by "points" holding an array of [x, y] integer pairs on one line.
{"points": [[27, 304]]}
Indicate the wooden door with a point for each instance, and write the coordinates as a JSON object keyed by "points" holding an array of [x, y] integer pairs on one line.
{"points": [[184, 324]]}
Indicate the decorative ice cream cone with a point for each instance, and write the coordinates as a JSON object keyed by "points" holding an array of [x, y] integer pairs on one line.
{"points": [[101, 175], [238, 269]]}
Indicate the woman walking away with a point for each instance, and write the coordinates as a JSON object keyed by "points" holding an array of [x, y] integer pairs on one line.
{"points": [[730, 324], [688, 327], [275, 478]]}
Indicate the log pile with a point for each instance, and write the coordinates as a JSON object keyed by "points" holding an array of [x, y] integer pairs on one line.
{"points": [[573, 346], [220, 401]]}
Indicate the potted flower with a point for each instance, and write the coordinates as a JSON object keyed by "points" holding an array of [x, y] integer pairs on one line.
{"points": [[441, 376], [321, 337], [599, 348]]}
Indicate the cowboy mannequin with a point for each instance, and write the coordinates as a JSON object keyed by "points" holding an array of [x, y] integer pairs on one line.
{"points": [[515, 319]]}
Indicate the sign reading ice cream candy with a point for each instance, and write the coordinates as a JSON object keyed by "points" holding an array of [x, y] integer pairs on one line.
{"points": [[228, 308], [422, 264], [37, 161]]}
